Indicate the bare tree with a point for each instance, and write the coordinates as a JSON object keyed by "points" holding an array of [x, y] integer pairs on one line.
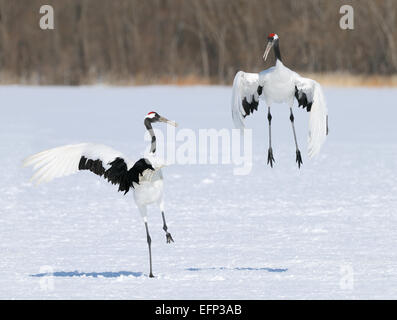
{"points": [[135, 41]]}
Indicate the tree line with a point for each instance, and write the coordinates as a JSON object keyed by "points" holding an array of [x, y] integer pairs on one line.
{"points": [[149, 41]]}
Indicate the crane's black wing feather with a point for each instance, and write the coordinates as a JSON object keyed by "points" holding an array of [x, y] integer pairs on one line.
{"points": [[303, 100], [118, 172]]}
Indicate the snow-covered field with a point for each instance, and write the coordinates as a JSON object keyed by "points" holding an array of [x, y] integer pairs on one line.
{"points": [[328, 230]]}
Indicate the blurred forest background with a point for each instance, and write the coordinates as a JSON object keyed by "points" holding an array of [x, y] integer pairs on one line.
{"points": [[190, 41]]}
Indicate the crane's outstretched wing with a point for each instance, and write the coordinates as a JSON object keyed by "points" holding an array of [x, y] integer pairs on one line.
{"points": [[245, 96], [310, 96], [99, 159]]}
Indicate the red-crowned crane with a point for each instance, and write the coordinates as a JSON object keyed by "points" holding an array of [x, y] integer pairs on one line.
{"points": [[143, 176], [279, 84]]}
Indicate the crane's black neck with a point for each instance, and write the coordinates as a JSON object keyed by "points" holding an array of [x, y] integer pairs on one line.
{"points": [[276, 49], [149, 127]]}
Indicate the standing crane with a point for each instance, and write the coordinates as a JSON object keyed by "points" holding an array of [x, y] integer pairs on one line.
{"points": [[143, 176], [279, 84]]}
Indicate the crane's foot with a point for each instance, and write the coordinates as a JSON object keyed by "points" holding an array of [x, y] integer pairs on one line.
{"points": [[270, 158], [299, 158], [151, 275], [169, 237]]}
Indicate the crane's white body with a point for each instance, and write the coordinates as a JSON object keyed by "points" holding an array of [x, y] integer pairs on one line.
{"points": [[279, 84], [149, 191]]}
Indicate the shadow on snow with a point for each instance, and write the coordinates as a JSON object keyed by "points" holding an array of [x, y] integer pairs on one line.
{"points": [[240, 269], [106, 274], [110, 274]]}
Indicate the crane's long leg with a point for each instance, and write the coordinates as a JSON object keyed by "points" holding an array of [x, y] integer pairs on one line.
{"points": [[167, 234], [298, 153], [149, 242], [143, 211], [270, 158], [165, 228]]}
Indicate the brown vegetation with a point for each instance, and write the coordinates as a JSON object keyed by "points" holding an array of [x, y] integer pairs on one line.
{"points": [[192, 41]]}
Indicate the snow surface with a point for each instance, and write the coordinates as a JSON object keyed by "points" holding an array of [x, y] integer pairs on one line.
{"points": [[276, 233]]}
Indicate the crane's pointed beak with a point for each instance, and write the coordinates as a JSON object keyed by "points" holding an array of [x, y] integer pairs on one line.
{"points": [[172, 123], [268, 47]]}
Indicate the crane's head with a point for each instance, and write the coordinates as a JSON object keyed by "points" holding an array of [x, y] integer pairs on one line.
{"points": [[153, 117], [271, 40]]}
